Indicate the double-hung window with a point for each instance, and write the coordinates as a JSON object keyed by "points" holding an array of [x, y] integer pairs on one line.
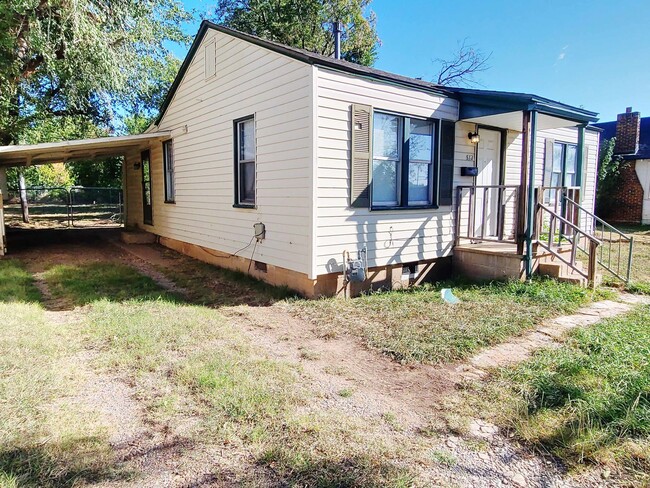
{"points": [[565, 164], [403, 161], [245, 162], [168, 167], [563, 169]]}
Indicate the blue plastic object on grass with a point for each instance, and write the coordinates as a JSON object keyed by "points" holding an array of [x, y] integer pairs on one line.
{"points": [[448, 296]]}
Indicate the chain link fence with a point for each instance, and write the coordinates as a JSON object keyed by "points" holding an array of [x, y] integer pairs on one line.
{"points": [[56, 207]]}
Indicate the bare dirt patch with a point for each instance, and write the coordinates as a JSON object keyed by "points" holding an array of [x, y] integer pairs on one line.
{"points": [[418, 402]]}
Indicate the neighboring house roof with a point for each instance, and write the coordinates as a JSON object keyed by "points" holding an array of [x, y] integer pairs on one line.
{"points": [[496, 101], [609, 131]]}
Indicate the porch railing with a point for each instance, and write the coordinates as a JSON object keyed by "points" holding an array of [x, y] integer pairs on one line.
{"points": [[487, 213], [615, 251], [555, 228]]}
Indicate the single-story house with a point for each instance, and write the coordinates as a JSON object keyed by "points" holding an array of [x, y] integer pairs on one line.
{"points": [[631, 201], [330, 177]]}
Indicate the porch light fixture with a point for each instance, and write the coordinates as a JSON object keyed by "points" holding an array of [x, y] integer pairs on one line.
{"points": [[473, 137]]}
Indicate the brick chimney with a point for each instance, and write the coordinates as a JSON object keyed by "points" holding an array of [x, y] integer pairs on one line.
{"points": [[628, 131]]}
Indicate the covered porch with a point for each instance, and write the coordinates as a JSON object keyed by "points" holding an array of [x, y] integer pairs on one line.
{"points": [[527, 205]]}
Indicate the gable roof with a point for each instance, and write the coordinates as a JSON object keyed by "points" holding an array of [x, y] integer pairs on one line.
{"points": [[609, 131], [298, 54], [500, 101]]}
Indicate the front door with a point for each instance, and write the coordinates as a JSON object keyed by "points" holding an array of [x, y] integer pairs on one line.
{"points": [[147, 207], [489, 174]]}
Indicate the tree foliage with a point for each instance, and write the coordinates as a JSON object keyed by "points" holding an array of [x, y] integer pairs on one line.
{"points": [[461, 68], [306, 24], [80, 64], [609, 177]]}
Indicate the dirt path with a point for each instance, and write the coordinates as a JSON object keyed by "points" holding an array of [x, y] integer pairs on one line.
{"points": [[416, 396]]}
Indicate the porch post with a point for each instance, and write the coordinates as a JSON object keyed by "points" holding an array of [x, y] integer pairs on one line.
{"points": [[521, 203], [532, 203], [580, 156]]}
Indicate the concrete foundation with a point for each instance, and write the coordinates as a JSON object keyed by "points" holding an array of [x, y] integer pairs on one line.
{"points": [[384, 277]]}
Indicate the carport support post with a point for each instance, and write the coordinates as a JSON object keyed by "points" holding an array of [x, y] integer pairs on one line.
{"points": [[532, 203], [4, 189], [23, 197]]}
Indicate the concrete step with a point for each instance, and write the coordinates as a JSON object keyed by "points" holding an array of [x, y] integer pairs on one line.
{"points": [[137, 237], [564, 273]]}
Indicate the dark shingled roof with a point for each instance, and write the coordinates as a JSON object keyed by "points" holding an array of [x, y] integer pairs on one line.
{"points": [[609, 131], [514, 101]]}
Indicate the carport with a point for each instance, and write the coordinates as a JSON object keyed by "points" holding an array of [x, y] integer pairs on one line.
{"points": [[75, 150]]}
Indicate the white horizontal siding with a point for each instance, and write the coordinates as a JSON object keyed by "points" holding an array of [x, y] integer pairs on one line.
{"points": [[277, 90], [391, 237]]}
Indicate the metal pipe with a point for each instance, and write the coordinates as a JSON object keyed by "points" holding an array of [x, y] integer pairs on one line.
{"points": [[337, 27], [531, 195]]}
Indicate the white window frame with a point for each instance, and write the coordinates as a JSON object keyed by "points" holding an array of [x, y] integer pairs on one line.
{"points": [[239, 161], [169, 170]]}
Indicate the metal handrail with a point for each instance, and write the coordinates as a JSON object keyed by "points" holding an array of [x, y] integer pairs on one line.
{"points": [[612, 230], [594, 243]]}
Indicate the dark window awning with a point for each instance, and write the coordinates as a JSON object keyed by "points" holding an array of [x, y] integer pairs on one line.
{"points": [[503, 109]]}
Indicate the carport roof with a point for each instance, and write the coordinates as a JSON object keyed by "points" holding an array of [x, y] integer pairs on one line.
{"points": [[49, 152]]}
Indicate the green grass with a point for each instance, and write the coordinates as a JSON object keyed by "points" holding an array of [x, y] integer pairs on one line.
{"points": [[189, 361], [214, 286], [16, 283], [588, 401], [85, 283], [46, 439], [415, 325], [640, 282]]}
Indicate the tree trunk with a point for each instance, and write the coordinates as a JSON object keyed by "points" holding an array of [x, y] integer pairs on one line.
{"points": [[23, 197]]}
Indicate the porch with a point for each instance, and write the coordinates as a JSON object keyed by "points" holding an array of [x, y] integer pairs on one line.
{"points": [[528, 206]]}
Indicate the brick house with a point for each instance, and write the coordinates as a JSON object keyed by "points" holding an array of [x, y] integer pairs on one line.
{"points": [[631, 203]]}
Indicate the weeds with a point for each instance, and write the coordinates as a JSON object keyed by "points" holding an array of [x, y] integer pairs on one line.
{"points": [[587, 401], [415, 325]]}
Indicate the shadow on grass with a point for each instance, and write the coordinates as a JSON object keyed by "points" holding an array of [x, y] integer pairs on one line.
{"points": [[356, 470], [38, 465], [82, 284], [16, 283], [213, 286]]}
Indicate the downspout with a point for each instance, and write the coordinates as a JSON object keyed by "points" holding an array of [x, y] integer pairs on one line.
{"points": [[532, 201]]}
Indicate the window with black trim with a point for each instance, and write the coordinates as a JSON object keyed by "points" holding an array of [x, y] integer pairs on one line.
{"points": [[404, 160], [245, 162], [168, 168]]}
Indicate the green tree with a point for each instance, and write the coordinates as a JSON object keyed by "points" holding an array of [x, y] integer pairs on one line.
{"points": [[306, 24], [82, 64], [609, 172]]}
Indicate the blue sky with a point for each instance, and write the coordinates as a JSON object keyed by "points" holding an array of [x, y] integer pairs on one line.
{"points": [[592, 54]]}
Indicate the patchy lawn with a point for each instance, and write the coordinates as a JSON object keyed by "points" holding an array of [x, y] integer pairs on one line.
{"points": [[415, 325], [587, 401], [46, 440], [640, 276], [191, 367], [85, 283], [16, 283]]}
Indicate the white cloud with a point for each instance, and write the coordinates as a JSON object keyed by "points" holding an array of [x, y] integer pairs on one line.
{"points": [[562, 54]]}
